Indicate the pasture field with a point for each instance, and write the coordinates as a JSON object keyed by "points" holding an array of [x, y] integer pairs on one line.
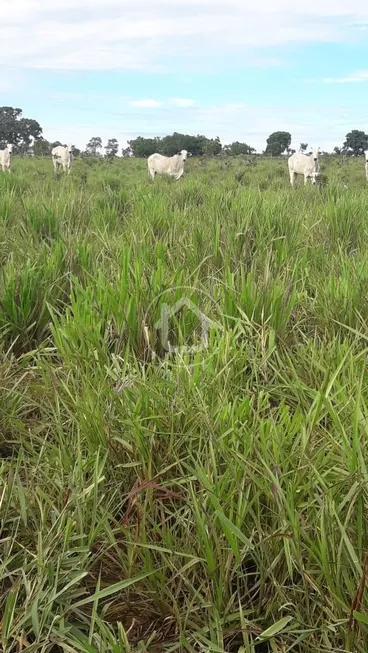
{"points": [[214, 501]]}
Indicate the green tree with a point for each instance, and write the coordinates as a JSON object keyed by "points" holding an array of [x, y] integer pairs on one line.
{"points": [[112, 148], [356, 142], [93, 146], [303, 147], [176, 142], [238, 149], [126, 151], [29, 131], [17, 130], [171, 144], [277, 143], [144, 147], [197, 145], [9, 118], [42, 147], [212, 146], [337, 150]]}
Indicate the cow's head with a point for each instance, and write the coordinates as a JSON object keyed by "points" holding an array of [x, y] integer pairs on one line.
{"points": [[316, 153], [184, 155], [10, 147], [70, 148]]}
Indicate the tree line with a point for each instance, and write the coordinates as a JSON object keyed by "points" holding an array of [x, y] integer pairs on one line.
{"points": [[26, 135]]}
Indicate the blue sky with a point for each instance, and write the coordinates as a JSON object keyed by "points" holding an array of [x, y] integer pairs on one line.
{"points": [[239, 69]]}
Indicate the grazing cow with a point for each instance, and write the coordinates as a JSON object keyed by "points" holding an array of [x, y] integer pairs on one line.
{"points": [[304, 164], [62, 157], [164, 165], [366, 164], [6, 157]]}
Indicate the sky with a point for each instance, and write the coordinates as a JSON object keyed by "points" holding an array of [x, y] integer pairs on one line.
{"points": [[237, 69]]}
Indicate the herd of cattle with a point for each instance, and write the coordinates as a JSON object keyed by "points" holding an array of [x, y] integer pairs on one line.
{"points": [[299, 163]]}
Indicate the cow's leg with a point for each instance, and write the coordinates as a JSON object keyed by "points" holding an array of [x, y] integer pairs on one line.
{"points": [[306, 180], [56, 166], [292, 178]]}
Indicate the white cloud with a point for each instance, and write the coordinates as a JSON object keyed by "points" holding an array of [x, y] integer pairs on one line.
{"points": [[145, 104], [355, 78], [66, 96], [182, 103], [181, 36], [165, 34]]}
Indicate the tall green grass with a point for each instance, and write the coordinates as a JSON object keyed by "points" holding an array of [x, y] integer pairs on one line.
{"points": [[213, 500]]}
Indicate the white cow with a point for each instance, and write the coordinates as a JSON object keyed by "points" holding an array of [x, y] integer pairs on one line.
{"points": [[366, 164], [62, 157], [304, 164], [6, 157], [164, 165]]}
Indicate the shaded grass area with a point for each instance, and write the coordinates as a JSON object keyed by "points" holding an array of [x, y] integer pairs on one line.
{"points": [[213, 501]]}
